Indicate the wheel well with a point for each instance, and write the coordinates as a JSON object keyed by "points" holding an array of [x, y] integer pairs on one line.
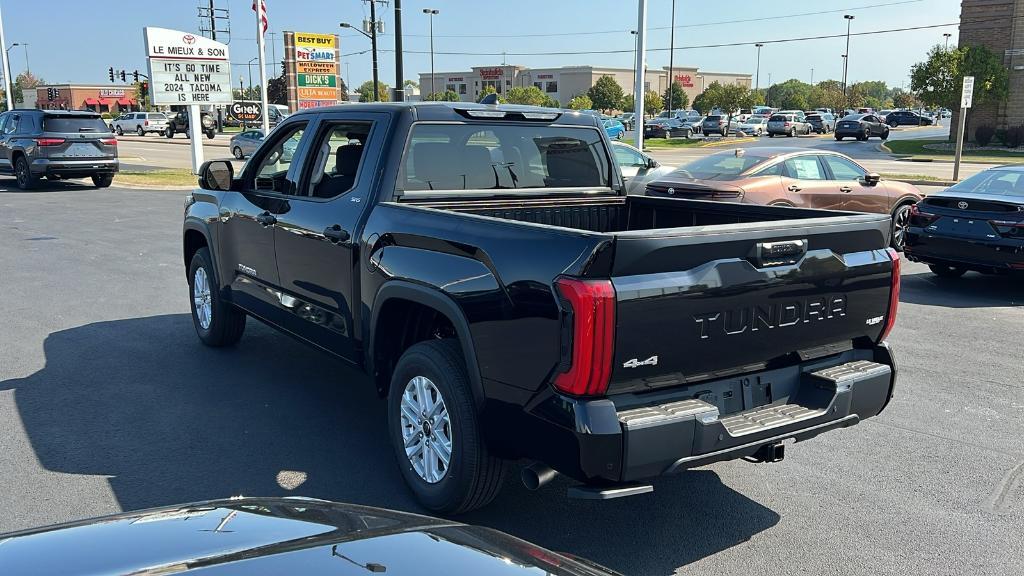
{"points": [[14, 157], [400, 324], [194, 240]]}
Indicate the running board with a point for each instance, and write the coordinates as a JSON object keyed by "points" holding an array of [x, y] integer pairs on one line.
{"points": [[607, 493]]}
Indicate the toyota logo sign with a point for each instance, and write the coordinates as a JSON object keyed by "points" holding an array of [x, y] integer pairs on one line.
{"points": [[961, 205], [189, 39]]}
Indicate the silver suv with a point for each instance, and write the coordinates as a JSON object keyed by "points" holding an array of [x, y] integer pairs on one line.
{"points": [[788, 124], [57, 144], [141, 123]]}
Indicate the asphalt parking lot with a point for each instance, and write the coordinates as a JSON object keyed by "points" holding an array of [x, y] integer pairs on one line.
{"points": [[108, 402]]}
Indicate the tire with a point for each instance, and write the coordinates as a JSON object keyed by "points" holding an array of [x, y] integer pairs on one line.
{"points": [[943, 271], [771, 134], [23, 174], [210, 134], [894, 123], [473, 476], [792, 133], [118, 131], [839, 138], [617, 136], [225, 323], [900, 221], [237, 152], [885, 135], [169, 132], [102, 180], [689, 133], [140, 131]]}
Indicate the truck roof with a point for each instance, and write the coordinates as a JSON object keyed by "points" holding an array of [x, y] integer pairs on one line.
{"points": [[454, 111]]}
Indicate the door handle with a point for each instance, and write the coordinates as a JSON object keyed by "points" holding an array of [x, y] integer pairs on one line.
{"points": [[336, 234], [266, 219], [794, 188], [846, 189]]}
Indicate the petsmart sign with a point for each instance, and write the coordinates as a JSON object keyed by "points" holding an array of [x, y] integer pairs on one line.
{"points": [[311, 61]]}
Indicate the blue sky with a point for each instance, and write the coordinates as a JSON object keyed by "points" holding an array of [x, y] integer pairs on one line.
{"points": [[78, 40]]}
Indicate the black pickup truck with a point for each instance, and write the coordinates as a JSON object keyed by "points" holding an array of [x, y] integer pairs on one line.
{"points": [[485, 267]]}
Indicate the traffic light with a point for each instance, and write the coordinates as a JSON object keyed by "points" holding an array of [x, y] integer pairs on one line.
{"points": [[135, 76], [145, 86], [122, 76], [110, 72]]}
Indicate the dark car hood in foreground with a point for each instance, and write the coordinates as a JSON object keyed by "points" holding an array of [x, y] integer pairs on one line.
{"points": [[276, 536]]}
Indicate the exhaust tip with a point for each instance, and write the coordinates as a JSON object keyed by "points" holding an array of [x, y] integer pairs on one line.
{"points": [[536, 475]]}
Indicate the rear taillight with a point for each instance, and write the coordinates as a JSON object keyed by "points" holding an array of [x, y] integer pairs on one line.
{"points": [[1008, 228], [49, 141], [108, 141], [922, 219], [588, 330], [786, 124], [894, 294], [146, 123]]}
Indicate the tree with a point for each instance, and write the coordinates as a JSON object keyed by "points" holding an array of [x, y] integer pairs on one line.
{"points": [[652, 103], [606, 94], [531, 96], [581, 102], [487, 90], [728, 97], [24, 81], [701, 103], [790, 95], [680, 99], [446, 96], [365, 91], [411, 84], [938, 80], [277, 90], [628, 103], [874, 91], [828, 94], [903, 99]]}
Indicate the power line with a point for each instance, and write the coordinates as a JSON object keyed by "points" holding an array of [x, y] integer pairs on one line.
{"points": [[697, 25], [702, 46]]}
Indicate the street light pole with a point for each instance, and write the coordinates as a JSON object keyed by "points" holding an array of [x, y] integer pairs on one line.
{"points": [[6, 66], [633, 32], [846, 57], [250, 74], [671, 57], [757, 74], [430, 12], [946, 36], [399, 57], [812, 76], [373, 44]]}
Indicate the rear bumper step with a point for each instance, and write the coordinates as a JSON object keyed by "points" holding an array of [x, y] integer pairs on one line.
{"points": [[670, 437]]}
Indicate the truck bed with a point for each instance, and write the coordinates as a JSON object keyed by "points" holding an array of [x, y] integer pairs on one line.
{"points": [[711, 289]]}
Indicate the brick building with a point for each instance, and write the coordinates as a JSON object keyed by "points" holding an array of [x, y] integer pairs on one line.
{"points": [[102, 98], [999, 26]]}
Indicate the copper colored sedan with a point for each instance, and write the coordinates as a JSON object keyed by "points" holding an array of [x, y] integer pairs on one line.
{"points": [[800, 178]]}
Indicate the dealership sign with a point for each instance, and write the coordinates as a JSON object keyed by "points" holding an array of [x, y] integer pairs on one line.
{"points": [[685, 79], [187, 69], [111, 92]]}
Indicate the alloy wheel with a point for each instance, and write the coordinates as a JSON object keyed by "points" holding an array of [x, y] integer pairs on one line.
{"points": [[202, 298], [426, 429], [21, 174], [899, 226]]}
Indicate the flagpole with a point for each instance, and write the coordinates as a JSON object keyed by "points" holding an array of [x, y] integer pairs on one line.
{"points": [[260, 13]]}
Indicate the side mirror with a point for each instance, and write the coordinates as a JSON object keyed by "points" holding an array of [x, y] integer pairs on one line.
{"points": [[216, 175], [652, 163], [872, 179]]}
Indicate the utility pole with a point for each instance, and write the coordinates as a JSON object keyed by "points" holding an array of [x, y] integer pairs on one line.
{"points": [[812, 76], [399, 72], [946, 36], [638, 86], [373, 46], [213, 23], [846, 57], [671, 55], [633, 32]]}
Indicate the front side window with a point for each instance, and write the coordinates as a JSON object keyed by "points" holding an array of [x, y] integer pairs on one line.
{"points": [[12, 124], [513, 156], [629, 157], [843, 169], [338, 159], [805, 168], [272, 170]]}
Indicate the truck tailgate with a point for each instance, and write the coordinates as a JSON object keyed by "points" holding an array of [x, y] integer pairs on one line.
{"points": [[706, 302]]}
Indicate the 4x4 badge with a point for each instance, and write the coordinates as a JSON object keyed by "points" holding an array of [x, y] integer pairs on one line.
{"points": [[636, 363]]}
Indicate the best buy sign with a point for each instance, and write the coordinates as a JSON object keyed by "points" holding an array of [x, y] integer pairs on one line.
{"points": [[324, 80]]}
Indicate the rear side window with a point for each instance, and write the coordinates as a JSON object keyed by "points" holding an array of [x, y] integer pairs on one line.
{"points": [[74, 124], [488, 157]]}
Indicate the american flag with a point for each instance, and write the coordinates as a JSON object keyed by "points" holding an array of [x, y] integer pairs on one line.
{"points": [[262, 11]]}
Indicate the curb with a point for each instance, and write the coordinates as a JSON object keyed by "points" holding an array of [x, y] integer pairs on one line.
{"points": [[724, 142], [151, 187], [179, 141]]}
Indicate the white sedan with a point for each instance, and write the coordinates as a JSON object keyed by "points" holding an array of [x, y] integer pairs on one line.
{"points": [[637, 168]]}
